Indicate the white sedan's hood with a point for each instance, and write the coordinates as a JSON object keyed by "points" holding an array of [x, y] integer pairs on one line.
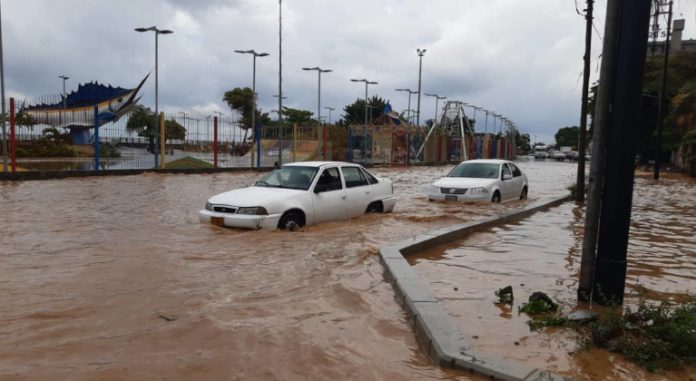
{"points": [[252, 196], [463, 182]]}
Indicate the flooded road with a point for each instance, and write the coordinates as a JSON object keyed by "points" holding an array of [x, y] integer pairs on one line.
{"points": [[542, 253], [115, 278]]}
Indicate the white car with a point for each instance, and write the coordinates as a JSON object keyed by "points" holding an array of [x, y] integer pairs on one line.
{"points": [[299, 194], [481, 180]]}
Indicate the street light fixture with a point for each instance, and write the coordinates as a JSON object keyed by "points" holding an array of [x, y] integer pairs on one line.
{"points": [[157, 33], [253, 96], [366, 102], [319, 71], [64, 78], [421, 53], [409, 100], [437, 99], [330, 109]]}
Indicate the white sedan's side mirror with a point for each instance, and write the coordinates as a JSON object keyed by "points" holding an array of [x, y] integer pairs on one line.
{"points": [[507, 177]]}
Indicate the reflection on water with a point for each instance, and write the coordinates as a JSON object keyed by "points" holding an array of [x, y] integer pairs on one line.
{"points": [[115, 278], [542, 253]]}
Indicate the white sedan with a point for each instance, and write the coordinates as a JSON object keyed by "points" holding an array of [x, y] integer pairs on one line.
{"points": [[481, 180], [299, 194]]}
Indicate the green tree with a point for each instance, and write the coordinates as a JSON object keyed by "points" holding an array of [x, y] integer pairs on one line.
{"points": [[299, 117], [567, 136], [522, 142], [241, 100], [355, 112], [142, 121]]}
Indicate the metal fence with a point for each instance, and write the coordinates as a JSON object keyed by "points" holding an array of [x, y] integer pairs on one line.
{"points": [[81, 140]]}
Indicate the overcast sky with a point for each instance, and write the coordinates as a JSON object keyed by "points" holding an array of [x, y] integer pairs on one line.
{"points": [[522, 59]]}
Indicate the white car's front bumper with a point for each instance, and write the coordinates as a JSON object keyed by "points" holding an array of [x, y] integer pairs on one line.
{"points": [[268, 222], [467, 197]]}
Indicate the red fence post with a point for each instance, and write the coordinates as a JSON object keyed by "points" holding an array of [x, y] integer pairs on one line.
{"points": [[13, 141], [215, 142], [323, 148]]}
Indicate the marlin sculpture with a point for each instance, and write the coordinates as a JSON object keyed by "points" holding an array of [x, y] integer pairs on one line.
{"points": [[76, 110]]}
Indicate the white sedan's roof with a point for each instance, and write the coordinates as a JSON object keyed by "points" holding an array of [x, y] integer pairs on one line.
{"points": [[490, 161], [318, 164]]}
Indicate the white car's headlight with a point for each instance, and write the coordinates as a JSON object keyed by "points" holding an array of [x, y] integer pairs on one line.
{"points": [[478, 190], [208, 206], [254, 211], [433, 189]]}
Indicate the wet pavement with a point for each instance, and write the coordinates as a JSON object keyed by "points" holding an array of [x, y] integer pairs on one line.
{"points": [[115, 278], [542, 253]]}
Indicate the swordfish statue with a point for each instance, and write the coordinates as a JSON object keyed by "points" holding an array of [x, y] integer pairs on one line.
{"points": [[76, 110]]}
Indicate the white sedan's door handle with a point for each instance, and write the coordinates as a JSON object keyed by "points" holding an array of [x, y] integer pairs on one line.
{"points": [[344, 197]]}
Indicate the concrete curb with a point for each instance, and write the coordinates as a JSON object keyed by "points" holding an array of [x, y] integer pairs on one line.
{"points": [[443, 341]]}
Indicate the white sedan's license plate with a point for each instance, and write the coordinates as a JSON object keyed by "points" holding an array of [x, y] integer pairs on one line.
{"points": [[450, 198], [219, 221]]}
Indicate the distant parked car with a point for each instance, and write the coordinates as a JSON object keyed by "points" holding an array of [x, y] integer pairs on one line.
{"points": [[299, 194], [559, 156], [481, 180], [572, 155]]}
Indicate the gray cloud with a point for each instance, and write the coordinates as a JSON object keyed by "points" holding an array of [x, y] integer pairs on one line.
{"points": [[521, 59]]}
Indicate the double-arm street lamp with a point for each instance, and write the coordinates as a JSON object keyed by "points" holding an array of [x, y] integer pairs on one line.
{"points": [[367, 83], [319, 71], [157, 33], [253, 96], [330, 109], [409, 101], [437, 99]]}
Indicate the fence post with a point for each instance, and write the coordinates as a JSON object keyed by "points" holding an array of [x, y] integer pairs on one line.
{"points": [[13, 140], [163, 140], [323, 149], [96, 138], [215, 143], [258, 146]]}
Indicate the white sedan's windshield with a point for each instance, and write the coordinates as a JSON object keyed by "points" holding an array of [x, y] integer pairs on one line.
{"points": [[476, 170], [291, 177]]}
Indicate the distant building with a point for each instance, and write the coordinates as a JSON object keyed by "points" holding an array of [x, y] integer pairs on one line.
{"points": [[677, 46]]}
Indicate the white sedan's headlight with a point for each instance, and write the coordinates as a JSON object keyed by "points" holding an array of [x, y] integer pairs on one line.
{"points": [[479, 190], [208, 206], [254, 211], [433, 189]]}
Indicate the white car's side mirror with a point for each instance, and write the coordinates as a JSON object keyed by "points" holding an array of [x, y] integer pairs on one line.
{"points": [[507, 177]]}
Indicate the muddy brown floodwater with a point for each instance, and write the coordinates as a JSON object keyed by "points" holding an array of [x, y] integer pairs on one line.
{"points": [[114, 278], [542, 253]]}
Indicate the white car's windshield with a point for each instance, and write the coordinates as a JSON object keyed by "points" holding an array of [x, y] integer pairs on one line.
{"points": [[475, 170], [291, 177]]}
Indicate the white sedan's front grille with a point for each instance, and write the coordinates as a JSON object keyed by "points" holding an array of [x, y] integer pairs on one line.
{"points": [[453, 190], [224, 209]]}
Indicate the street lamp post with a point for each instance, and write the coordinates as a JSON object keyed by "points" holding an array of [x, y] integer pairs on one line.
{"points": [[366, 102], [64, 78], [319, 71], [437, 99], [253, 96], [409, 101], [157, 33], [330, 109], [421, 53]]}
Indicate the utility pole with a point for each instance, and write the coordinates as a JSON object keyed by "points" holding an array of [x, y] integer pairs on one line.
{"points": [[580, 183], [280, 82], [610, 187], [2, 90], [663, 89]]}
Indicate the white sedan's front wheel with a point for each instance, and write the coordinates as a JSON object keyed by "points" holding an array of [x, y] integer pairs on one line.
{"points": [[291, 220], [496, 197]]}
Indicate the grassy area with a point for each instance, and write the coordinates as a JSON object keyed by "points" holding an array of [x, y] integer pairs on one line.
{"points": [[188, 163], [656, 337]]}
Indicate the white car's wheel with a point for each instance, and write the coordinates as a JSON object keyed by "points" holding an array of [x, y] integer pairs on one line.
{"points": [[523, 195], [496, 197], [292, 220], [375, 207]]}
